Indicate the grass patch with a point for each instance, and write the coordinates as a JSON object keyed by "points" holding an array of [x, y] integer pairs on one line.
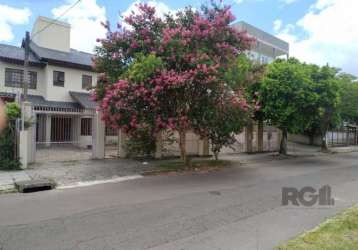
{"points": [[197, 165], [339, 232]]}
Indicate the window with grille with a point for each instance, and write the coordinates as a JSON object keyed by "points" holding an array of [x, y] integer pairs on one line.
{"points": [[86, 126], [15, 77], [86, 82], [58, 78]]}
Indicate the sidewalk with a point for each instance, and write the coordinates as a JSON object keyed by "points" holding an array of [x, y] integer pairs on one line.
{"points": [[8, 178], [77, 173], [91, 172]]}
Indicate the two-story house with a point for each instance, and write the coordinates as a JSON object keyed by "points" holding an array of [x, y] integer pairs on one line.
{"points": [[60, 78]]}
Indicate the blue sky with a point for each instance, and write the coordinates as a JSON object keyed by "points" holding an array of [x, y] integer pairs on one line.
{"points": [[319, 31]]}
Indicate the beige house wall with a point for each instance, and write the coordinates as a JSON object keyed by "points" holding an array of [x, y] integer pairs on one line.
{"points": [[73, 82], [55, 36]]}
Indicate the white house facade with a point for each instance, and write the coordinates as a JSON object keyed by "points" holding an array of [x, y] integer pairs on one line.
{"points": [[59, 83]]}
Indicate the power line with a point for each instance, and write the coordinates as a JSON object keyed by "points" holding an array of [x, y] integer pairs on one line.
{"points": [[57, 19]]}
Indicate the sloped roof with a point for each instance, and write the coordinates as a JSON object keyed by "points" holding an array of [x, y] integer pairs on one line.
{"points": [[83, 99], [73, 57], [16, 54], [40, 101]]}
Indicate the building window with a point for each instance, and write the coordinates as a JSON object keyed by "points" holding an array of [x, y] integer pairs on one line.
{"points": [[86, 126], [59, 78], [15, 77], [86, 82]]}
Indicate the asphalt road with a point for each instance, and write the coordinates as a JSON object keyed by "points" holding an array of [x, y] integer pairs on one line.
{"points": [[237, 208]]}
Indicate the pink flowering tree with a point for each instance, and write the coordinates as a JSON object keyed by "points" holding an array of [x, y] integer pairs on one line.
{"points": [[169, 73]]}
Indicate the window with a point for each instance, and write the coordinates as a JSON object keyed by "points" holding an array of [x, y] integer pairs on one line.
{"points": [[59, 78], [14, 78], [86, 126], [86, 82]]}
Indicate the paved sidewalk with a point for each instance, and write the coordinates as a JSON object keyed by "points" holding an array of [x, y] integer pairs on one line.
{"points": [[76, 173], [89, 172], [7, 179]]}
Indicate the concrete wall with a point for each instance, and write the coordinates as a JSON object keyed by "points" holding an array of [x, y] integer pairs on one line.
{"points": [[56, 36], [192, 145], [303, 139], [271, 141]]}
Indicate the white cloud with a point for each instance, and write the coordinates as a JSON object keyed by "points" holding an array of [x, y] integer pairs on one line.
{"points": [[288, 1], [321, 4], [330, 34], [277, 24], [161, 9], [10, 16], [85, 19]]}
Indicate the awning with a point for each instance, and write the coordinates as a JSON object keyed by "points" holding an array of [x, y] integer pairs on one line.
{"points": [[83, 99], [39, 101]]}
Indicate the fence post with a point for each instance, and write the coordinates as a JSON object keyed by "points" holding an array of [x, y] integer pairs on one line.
{"points": [[98, 137], [26, 145], [122, 137], [159, 145], [248, 137], [260, 136]]}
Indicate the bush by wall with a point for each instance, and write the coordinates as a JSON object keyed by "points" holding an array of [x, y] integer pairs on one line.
{"points": [[8, 158]]}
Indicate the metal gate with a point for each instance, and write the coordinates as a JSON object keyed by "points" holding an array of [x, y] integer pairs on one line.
{"points": [[111, 143], [342, 136], [61, 137]]}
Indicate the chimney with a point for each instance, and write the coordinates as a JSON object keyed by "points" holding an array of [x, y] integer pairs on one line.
{"points": [[56, 36]]}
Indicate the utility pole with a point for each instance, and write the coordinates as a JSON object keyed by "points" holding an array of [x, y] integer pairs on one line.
{"points": [[25, 78], [26, 65]]}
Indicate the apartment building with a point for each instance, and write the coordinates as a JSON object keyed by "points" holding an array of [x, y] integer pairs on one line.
{"points": [[267, 47]]}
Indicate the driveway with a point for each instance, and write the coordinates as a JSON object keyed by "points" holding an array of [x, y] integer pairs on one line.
{"points": [[238, 208]]}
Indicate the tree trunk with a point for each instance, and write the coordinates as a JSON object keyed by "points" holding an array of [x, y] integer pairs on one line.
{"points": [[260, 136], [249, 137], [182, 146], [216, 155], [324, 146], [283, 144]]}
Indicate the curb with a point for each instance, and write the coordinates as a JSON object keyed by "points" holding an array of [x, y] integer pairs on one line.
{"points": [[7, 189], [98, 182]]}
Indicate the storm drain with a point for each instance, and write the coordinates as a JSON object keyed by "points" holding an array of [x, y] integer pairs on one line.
{"points": [[35, 185]]}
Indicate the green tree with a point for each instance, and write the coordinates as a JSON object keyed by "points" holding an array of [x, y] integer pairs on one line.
{"points": [[191, 53], [348, 107], [326, 87], [286, 97]]}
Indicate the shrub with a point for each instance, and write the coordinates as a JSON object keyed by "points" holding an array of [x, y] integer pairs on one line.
{"points": [[8, 157]]}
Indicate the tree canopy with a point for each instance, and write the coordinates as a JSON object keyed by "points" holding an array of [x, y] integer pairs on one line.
{"points": [[171, 72], [348, 107], [298, 97]]}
